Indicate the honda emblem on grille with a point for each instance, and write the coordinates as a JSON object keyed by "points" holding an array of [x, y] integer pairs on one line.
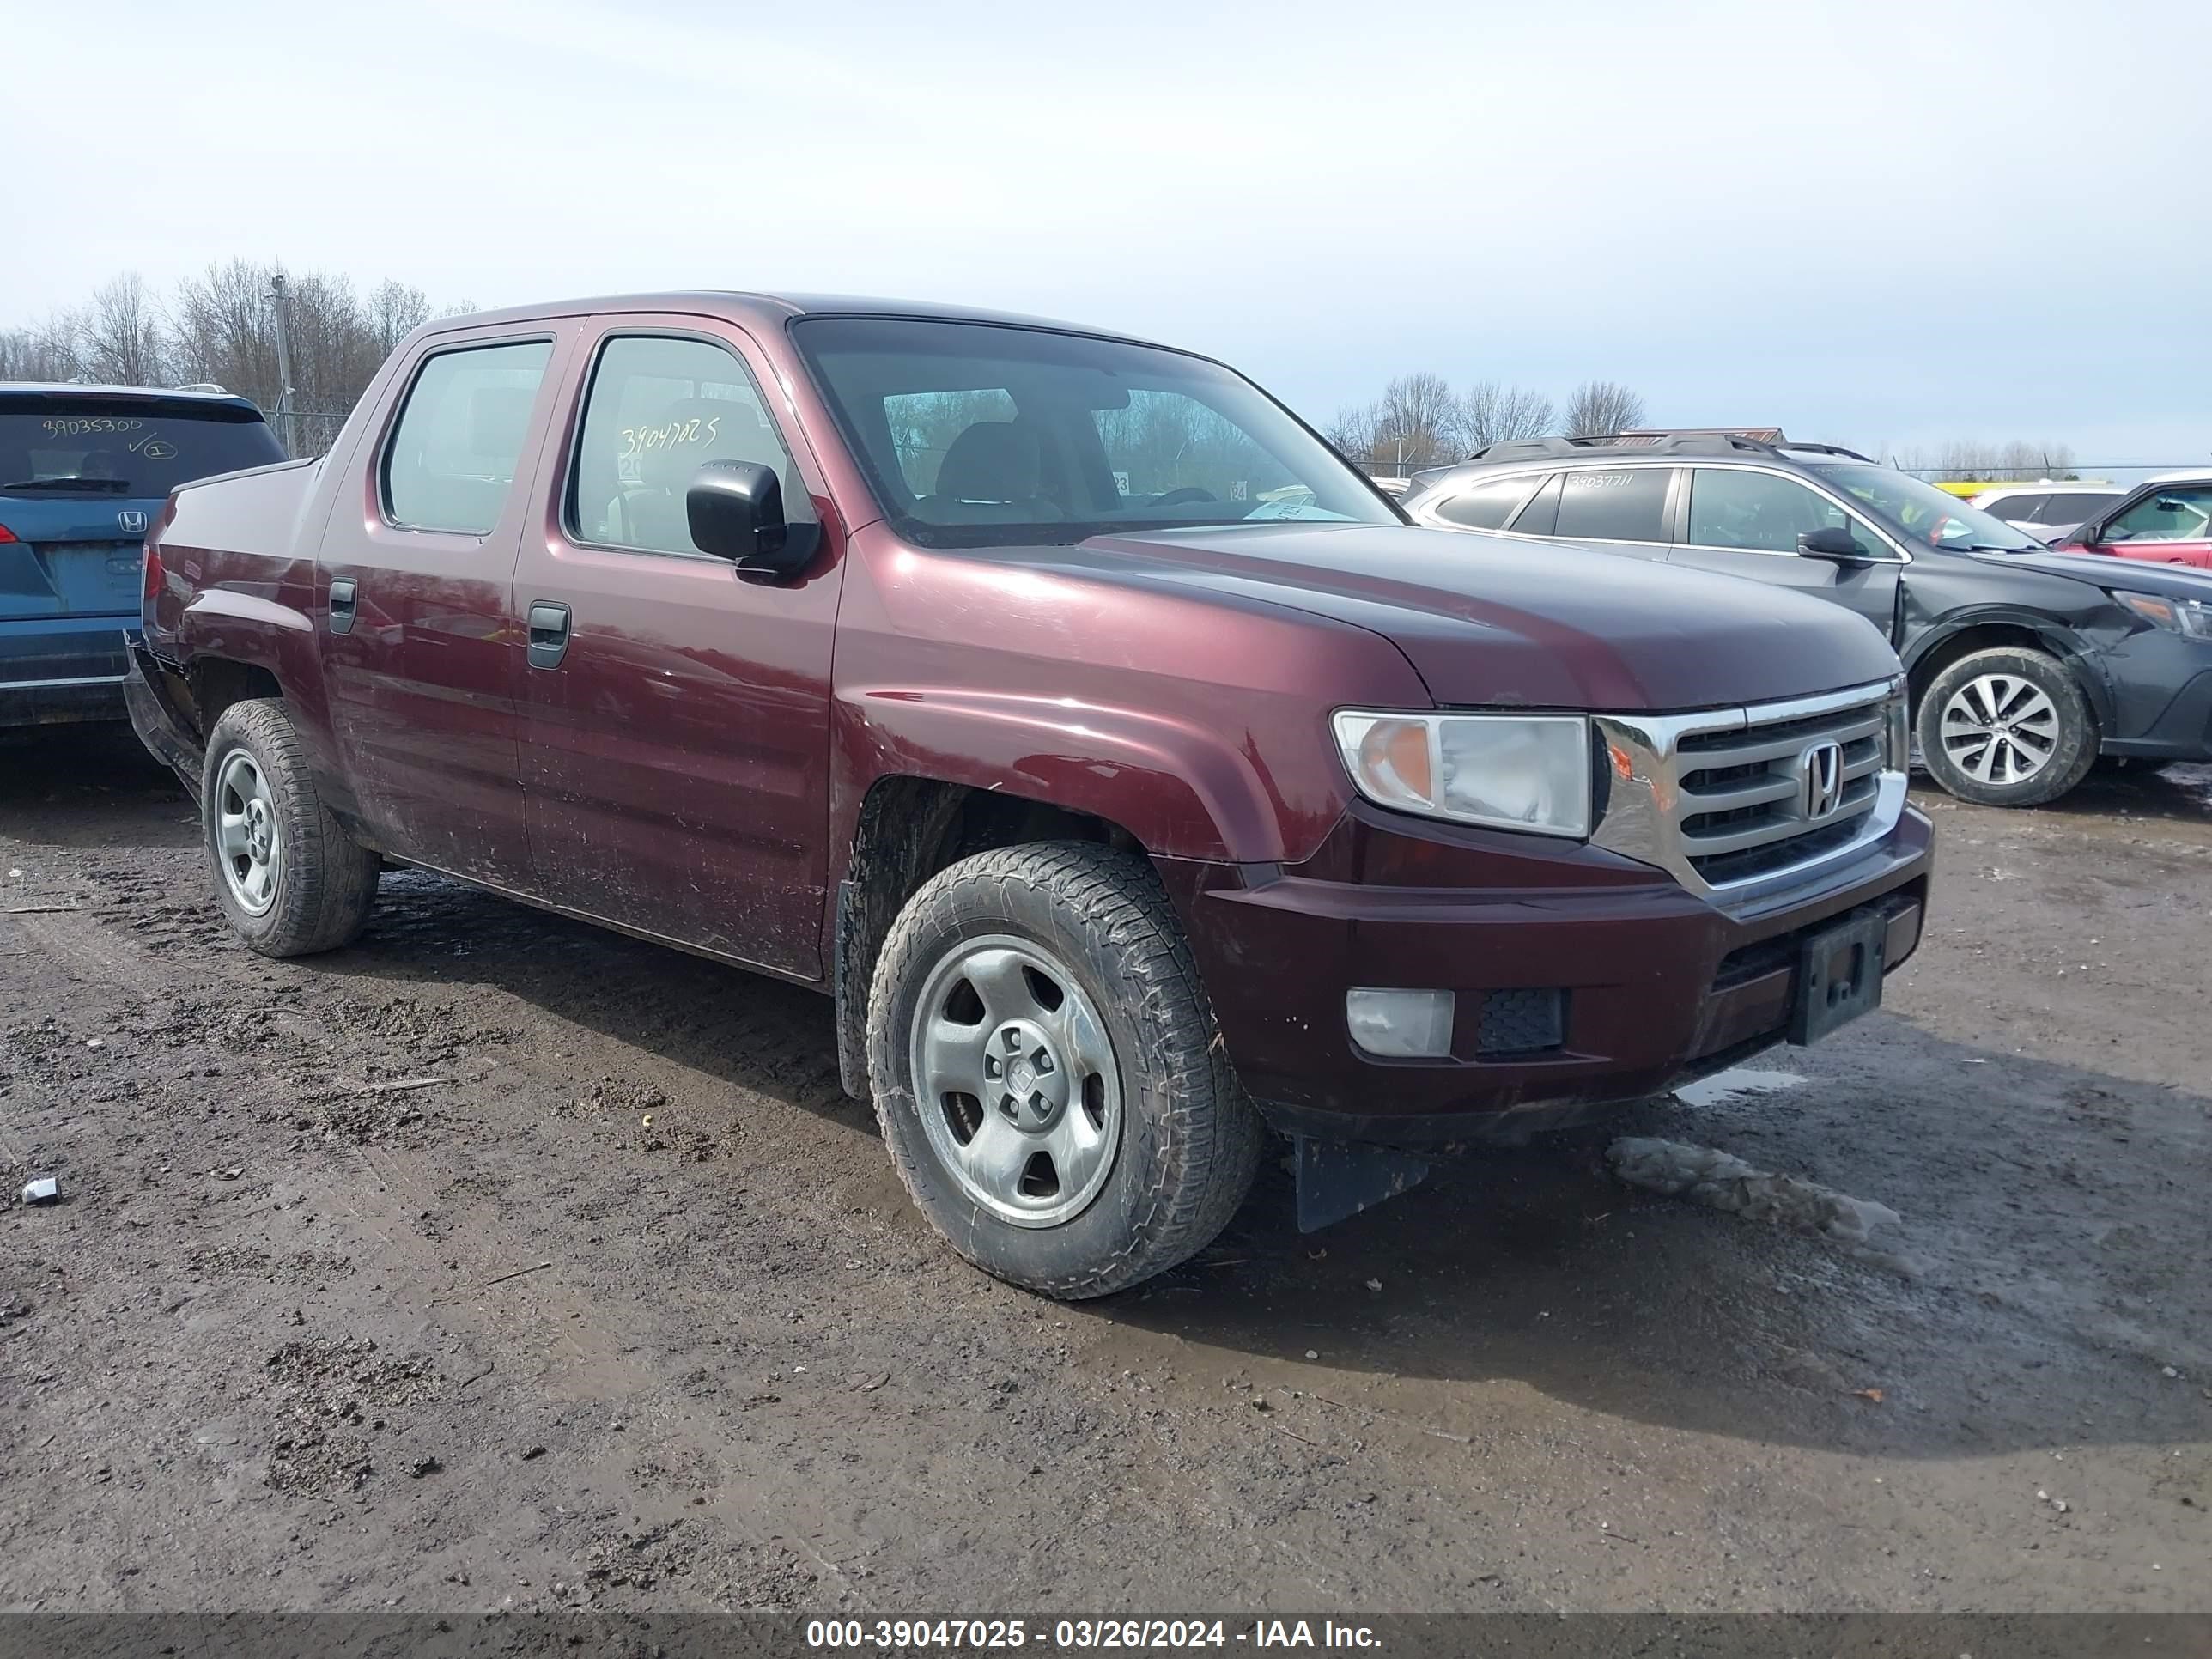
{"points": [[1822, 769], [132, 519]]}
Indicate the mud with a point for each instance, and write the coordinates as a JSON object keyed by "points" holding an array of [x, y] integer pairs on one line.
{"points": [[616, 1303]]}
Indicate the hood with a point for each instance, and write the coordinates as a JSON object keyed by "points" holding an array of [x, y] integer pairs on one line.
{"points": [[2105, 570], [1488, 622]]}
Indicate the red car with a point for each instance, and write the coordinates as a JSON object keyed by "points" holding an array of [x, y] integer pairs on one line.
{"points": [[1129, 772], [2168, 522]]}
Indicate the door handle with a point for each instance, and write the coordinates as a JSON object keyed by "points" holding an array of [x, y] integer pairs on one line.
{"points": [[549, 634], [341, 605]]}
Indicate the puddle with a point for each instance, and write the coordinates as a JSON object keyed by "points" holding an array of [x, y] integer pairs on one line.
{"points": [[1734, 1083]]}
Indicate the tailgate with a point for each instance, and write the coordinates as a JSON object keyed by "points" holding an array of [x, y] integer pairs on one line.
{"points": [[71, 558]]}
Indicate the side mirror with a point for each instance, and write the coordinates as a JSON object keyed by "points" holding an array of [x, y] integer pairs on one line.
{"points": [[735, 509], [1836, 542]]}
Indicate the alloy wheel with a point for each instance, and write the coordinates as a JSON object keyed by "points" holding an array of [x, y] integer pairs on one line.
{"points": [[2000, 729]]}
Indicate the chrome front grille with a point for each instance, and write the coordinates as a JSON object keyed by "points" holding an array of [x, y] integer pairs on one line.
{"points": [[1737, 802]]}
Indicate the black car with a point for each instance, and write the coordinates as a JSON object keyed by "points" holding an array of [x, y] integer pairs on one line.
{"points": [[2025, 665]]}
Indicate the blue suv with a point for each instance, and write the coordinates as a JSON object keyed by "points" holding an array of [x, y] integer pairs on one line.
{"points": [[85, 471]]}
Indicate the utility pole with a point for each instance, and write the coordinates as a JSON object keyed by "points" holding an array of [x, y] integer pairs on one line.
{"points": [[283, 361]]}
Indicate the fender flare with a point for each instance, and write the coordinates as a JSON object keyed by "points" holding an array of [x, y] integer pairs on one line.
{"points": [[2080, 657], [1182, 789]]}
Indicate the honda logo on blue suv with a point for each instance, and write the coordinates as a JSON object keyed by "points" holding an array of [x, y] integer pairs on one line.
{"points": [[132, 519]]}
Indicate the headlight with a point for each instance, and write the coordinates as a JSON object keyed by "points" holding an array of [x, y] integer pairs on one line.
{"points": [[2189, 616], [1507, 771]]}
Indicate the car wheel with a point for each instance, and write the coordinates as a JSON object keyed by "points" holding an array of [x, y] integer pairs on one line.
{"points": [[289, 878], [2006, 727], [1047, 1073]]}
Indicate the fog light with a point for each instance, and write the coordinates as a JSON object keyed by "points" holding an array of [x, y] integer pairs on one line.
{"points": [[1401, 1024]]}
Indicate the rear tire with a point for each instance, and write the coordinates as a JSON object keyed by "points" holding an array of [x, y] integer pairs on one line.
{"points": [[2006, 727], [1102, 1136], [289, 878]]}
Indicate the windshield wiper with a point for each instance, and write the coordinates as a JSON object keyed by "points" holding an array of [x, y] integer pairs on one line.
{"points": [[94, 486]]}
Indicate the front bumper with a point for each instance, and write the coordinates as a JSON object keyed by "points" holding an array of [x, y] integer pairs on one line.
{"points": [[158, 708], [2160, 696], [1654, 985], [55, 669]]}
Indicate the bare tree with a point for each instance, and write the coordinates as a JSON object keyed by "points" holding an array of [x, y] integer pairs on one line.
{"points": [[124, 342], [1416, 422], [1490, 413], [1352, 430], [51, 350], [395, 311], [227, 331], [220, 326], [1598, 408]]}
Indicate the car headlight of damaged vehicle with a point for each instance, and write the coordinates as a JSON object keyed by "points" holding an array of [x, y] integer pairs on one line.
{"points": [[2189, 616], [1528, 772]]}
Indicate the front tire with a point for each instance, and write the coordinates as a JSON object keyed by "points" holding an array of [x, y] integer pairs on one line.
{"points": [[2006, 727], [289, 878], [1047, 1073]]}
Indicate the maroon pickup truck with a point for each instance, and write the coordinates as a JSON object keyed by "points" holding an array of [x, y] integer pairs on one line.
{"points": [[1129, 772]]}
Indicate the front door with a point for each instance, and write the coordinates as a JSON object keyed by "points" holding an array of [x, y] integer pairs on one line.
{"points": [[422, 652], [2172, 524], [676, 734], [1743, 522]]}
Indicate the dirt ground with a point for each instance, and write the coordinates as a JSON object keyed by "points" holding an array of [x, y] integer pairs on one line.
{"points": [[626, 1309]]}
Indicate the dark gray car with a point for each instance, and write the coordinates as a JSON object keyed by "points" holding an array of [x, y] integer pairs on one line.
{"points": [[2025, 665]]}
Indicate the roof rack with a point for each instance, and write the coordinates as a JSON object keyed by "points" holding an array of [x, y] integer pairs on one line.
{"points": [[1651, 443], [1830, 449]]}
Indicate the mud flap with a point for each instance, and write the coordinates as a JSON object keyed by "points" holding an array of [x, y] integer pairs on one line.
{"points": [[1336, 1179]]}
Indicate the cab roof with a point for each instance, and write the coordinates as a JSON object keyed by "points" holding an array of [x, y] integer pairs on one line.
{"points": [[744, 306]]}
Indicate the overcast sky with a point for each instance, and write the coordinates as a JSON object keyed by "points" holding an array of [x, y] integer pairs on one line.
{"points": [[1865, 222]]}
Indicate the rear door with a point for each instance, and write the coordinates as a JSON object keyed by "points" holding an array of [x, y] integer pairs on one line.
{"points": [[1745, 521], [82, 474], [421, 644], [675, 736]]}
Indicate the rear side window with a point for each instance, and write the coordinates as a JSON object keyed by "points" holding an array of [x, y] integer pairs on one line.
{"points": [[453, 457], [125, 448], [1485, 505], [660, 407], [1629, 505], [2070, 509], [2019, 509]]}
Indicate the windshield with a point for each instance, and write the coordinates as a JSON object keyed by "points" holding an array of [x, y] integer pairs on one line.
{"points": [[1925, 514], [975, 435], [138, 448]]}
